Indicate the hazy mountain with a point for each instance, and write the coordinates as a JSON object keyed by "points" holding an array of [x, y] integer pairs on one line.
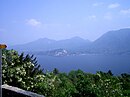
{"points": [[38, 45], [113, 41], [75, 44], [117, 41], [45, 44]]}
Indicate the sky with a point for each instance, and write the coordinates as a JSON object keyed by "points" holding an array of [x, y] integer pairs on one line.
{"points": [[22, 21]]}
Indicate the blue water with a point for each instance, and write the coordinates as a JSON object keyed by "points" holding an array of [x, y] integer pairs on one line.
{"points": [[89, 63]]}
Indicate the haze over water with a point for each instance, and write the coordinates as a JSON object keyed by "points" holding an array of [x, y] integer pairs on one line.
{"points": [[28, 20], [24, 21]]}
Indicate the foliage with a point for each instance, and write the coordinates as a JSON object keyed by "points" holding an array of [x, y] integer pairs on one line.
{"points": [[23, 71], [108, 86], [125, 79], [19, 70]]}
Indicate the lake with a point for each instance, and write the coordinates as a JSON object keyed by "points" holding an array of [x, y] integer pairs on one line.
{"points": [[89, 63]]}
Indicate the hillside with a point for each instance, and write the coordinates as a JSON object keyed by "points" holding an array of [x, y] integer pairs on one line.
{"points": [[113, 41]]}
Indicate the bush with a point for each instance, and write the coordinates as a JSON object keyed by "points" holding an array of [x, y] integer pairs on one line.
{"points": [[23, 71]]}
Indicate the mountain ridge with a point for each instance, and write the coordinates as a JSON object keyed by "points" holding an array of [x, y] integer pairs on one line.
{"points": [[44, 44], [110, 42]]}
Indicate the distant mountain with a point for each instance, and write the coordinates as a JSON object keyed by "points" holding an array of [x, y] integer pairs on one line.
{"points": [[73, 44], [45, 44], [112, 42], [41, 44]]}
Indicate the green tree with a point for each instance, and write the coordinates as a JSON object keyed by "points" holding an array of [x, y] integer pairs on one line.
{"points": [[19, 70], [56, 71], [82, 83], [24, 72], [107, 85], [125, 79]]}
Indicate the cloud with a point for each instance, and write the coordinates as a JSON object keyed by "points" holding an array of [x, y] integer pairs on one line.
{"points": [[114, 5], [68, 25], [92, 17], [125, 11], [108, 16], [97, 4], [50, 25], [33, 22]]}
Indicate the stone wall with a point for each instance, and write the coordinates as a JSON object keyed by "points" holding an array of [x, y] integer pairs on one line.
{"points": [[10, 91]]}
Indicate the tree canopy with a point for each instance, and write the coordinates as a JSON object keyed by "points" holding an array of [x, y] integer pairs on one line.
{"points": [[24, 72]]}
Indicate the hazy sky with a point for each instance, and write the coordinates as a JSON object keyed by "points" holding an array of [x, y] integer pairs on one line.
{"points": [[22, 21]]}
